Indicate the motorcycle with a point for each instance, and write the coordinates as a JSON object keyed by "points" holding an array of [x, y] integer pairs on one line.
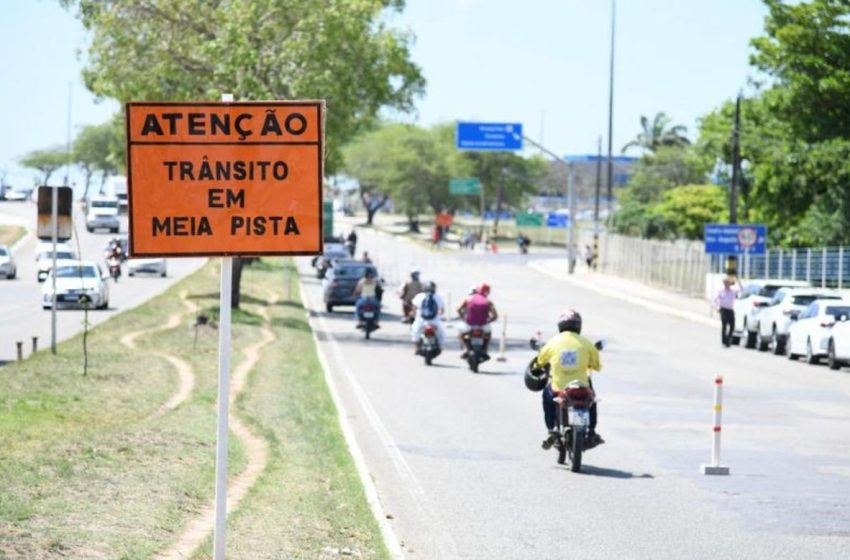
{"points": [[114, 264], [573, 418], [475, 341], [368, 318], [574, 404], [429, 343]]}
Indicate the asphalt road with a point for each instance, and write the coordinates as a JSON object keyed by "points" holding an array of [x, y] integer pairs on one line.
{"points": [[21, 315], [456, 456]]}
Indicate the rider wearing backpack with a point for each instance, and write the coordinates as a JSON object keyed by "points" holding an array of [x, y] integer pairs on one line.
{"points": [[428, 309]]}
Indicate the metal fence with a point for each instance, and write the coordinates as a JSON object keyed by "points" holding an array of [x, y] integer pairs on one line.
{"points": [[682, 266], [677, 265]]}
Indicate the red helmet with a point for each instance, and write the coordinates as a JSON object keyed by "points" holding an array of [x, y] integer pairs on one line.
{"points": [[484, 289]]}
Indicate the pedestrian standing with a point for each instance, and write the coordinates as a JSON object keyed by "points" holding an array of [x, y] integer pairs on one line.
{"points": [[725, 303], [588, 256]]}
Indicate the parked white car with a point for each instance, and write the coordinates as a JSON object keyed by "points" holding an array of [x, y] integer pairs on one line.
{"points": [[102, 213], [838, 344], [755, 296], [774, 320], [149, 266], [809, 334], [75, 279]]}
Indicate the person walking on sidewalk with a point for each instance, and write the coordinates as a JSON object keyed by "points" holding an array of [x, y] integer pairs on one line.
{"points": [[725, 303]]}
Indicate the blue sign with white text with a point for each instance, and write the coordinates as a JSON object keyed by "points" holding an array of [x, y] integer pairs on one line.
{"points": [[735, 239], [557, 220], [489, 137]]}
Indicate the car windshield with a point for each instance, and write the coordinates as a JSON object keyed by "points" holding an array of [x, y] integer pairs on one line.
{"points": [[351, 271], [74, 271], [105, 204], [838, 310], [3, 252]]}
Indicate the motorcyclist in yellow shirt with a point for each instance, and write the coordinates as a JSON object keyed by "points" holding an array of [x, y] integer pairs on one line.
{"points": [[569, 357]]}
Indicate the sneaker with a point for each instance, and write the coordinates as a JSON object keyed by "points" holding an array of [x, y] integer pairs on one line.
{"points": [[550, 440]]}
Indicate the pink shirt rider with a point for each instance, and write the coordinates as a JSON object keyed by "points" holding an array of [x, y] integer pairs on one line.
{"points": [[477, 310]]}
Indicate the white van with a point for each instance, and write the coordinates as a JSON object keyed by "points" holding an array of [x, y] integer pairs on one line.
{"points": [[102, 213], [117, 186]]}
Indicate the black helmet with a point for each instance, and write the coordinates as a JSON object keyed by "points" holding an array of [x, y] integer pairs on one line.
{"points": [[569, 320], [535, 377], [431, 287]]}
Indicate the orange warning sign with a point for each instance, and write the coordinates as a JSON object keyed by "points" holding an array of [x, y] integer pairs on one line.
{"points": [[225, 179]]}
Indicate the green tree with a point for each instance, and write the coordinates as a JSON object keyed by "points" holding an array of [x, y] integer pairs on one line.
{"points": [[806, 49], [657, 133], [342, 51], [92, 151], [689, 207], [666, 168], [45, 161]]}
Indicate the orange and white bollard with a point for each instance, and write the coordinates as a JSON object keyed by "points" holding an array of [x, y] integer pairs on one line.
{"points": [[715, 467]]}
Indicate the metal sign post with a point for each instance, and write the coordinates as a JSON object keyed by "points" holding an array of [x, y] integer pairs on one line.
{"points": [[223, 432], [54, 220]]}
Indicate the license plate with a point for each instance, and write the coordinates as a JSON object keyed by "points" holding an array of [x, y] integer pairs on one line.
{"points": [[477, 342], [579, 417], [69, 297], [368, 315]]}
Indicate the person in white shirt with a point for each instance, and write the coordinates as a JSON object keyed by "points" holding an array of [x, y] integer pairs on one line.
{"points": [[429, 308], [725, 303]]}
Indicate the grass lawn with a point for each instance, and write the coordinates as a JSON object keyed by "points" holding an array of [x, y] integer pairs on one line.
{"points": [[10, 234], [89, 471]]}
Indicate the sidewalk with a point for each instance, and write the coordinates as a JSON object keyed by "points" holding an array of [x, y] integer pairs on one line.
{"points": [[657, 299]]}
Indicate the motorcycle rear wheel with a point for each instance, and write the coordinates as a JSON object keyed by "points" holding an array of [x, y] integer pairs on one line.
{"points": [[576, 450]]}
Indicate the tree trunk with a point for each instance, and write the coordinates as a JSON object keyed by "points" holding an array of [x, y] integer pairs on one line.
{"points": [[371, 206], [236, 284]]}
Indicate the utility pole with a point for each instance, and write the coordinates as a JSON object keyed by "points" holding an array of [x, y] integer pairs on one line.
{"points": [[732, 260], [596, 204], [611, 111]]}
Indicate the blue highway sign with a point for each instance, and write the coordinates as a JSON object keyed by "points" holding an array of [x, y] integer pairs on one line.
{"points": [[557, 220], [735, 239], [489, 137]]}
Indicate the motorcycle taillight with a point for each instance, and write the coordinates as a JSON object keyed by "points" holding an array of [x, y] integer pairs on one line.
{"points": [[476, 332], [429, 330]]}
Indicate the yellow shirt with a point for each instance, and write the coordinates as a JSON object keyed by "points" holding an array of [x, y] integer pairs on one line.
{"points": [[569, 356]]}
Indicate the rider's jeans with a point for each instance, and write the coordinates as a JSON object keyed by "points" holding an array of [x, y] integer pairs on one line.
{"points": [[550, 409], [361, 300]]}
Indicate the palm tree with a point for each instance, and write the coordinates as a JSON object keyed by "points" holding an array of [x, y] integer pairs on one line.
{"points": [[658, 133]]}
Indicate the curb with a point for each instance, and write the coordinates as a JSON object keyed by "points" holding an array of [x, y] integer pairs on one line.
{"points": [[391, 540], [661, 308]]}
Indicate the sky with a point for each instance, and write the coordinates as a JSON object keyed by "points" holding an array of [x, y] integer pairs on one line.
{"points": [[542, 63]]}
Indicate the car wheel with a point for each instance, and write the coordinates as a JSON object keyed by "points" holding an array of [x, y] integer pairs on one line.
{"points": [[762, 343], [751, 339], [129, 273], [811, 358], [163, 274], [791, 355], [831, 359], [778, 343]]}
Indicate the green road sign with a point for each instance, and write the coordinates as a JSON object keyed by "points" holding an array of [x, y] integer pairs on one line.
{"points": [[529, 219], [328, 219], [465, 185]]}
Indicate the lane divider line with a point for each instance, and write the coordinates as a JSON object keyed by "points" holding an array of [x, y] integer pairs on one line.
{"points": [[444, 542]]}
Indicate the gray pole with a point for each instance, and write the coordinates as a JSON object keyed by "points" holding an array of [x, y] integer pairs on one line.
{"points": [[611, 110], [54, 220], [571, 248], [596, 205]]}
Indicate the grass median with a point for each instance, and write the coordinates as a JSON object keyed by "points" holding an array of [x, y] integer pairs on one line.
{"points": [[10, 234], [90, 470]]}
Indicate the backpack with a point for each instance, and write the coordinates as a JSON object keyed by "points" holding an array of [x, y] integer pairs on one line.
{"points": [[429, 308]]}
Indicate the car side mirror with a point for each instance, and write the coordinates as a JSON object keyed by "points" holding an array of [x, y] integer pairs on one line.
{"points": [[534, 343]]}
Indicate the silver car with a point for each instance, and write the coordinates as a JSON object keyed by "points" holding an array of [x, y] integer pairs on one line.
{"points": [[146, 266], [8, 269]]}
